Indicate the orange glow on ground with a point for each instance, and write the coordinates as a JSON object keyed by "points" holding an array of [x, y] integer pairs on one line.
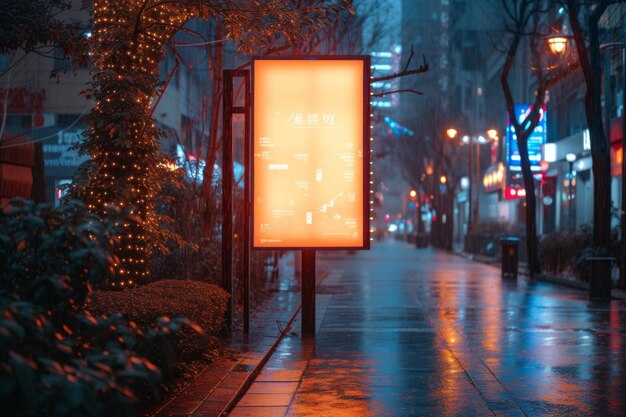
{"points": [[308, 153]]}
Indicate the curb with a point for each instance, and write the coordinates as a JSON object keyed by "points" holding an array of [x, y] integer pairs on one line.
{"points": [[259, 367], [243, 389], [584, 286], [578, 285]]}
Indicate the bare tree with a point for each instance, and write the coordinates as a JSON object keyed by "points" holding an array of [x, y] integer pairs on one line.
{"points": [[522, 28], [424, 160], [589, 59]]}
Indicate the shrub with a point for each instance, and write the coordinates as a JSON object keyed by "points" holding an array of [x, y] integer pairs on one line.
{"points": [[582, 265], [55, 358], [566, 251], [493, 227], [45, 370], [203, 304], [53, 256], [559, 250], [197, 255], [200, 261]]}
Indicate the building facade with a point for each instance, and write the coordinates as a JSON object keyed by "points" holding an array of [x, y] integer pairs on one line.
{"points": [[52, 111]]}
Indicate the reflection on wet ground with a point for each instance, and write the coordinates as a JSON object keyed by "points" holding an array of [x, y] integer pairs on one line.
{"points": [[405, 332]]}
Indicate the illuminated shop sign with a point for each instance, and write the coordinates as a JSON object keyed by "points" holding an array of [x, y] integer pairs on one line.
{"points": [[59, 156], [514, 192], [310, 186], [494, 178], [535, 141]]}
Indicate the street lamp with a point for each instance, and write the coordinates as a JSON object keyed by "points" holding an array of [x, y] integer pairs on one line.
{"points": [[492, 134], [452, 133], [571, 158], [417, 213], [557, 43]]}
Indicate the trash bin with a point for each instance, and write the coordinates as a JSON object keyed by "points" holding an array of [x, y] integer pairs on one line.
{"points": [[510, 255]]}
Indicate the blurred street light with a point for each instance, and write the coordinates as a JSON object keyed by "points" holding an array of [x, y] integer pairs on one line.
{"points": [[492, 134]]}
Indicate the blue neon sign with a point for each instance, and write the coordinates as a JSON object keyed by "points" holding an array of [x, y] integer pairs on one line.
{"points": [[537, 138]]}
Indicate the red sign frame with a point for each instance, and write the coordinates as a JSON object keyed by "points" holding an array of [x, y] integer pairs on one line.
{"points": [[272, 192]]}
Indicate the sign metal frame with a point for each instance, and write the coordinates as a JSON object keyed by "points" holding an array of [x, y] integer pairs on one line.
{"points": [[364, 244]]}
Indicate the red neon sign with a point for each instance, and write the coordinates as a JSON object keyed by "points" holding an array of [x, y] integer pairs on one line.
{"points": [[513, 193]]}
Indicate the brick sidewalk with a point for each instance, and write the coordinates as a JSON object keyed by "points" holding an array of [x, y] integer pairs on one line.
{"points": [[218, 384]]}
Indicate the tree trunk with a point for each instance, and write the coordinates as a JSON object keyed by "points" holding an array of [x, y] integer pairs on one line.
{"points": [[531, 206], [600, 153], [589, 58], [601, 158]]}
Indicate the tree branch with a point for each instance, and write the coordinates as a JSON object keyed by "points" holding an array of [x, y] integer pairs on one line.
{"points": [[419, 70], [384, 93]]}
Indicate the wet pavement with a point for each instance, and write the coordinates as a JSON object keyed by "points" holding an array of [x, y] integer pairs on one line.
{"points": [[218, 384], [408, 332]]}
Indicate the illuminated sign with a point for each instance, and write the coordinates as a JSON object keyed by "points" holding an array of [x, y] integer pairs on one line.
{"points": [[397, 128], [310, 186], [536, 139], [513, 193], [494, 178], [549, 152], [59, 157]]}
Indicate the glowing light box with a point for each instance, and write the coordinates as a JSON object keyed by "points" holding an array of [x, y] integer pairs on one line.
{"points": [[310, 176]]}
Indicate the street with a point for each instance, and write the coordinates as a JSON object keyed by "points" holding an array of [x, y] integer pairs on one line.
{"points": [[408, 332]]}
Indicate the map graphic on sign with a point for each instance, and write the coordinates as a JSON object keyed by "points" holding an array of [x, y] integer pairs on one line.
{"points": [[310, 154]]}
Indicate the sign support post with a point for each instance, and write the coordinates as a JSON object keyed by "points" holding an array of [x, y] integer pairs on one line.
{"points": [[308, 291], [227, 196], [310, 160]]}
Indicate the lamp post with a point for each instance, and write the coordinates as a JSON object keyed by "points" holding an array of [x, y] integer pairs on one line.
{"points": [[492, 134], [452, 134], [571, 158], [416, 211]]}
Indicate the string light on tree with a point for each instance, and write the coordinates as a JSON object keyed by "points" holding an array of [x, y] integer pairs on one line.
{"points": [[128, 42]]}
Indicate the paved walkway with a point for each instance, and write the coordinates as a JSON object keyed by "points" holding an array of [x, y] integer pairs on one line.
{"points": [[218, 384], [407, 332]]}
